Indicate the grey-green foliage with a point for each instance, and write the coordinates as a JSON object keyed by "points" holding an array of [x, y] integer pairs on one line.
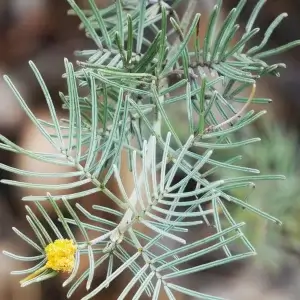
{"points": [[118, 98], [278, 152]]}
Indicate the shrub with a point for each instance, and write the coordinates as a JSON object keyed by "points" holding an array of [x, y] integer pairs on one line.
{"points": [[118, 98]]}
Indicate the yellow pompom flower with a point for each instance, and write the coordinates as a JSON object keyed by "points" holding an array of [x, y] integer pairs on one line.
{"points": [[60, 258], [61, 255]]}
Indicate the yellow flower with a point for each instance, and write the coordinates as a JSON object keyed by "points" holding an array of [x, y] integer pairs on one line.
{"points": [[60, 258], [61, 255]]}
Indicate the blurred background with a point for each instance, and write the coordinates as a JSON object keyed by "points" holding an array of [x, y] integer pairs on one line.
{"points": [[40, 30]]}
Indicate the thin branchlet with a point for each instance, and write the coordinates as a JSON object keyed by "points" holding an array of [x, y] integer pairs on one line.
{"points": [[237, 115], [118, 100]]}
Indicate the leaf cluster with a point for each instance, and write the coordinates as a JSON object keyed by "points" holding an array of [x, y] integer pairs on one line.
{"points": [[117, 102]]}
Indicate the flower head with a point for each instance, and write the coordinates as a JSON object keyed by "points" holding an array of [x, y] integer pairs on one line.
{"points": [[60, 258], [61, 255]]}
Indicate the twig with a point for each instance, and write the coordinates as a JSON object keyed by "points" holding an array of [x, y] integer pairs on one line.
{"points": [[237, 115], [181, 72]]}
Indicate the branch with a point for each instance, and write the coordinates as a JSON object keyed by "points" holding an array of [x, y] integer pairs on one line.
{"points": [[236, 116]]}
